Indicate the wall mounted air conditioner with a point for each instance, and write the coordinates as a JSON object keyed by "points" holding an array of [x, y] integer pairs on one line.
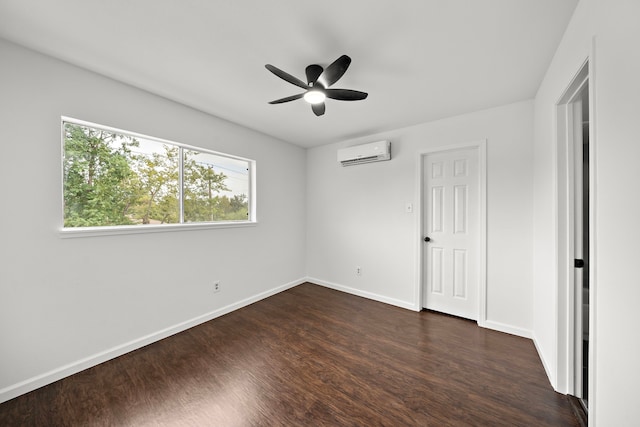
{"points": [[365, 153]]}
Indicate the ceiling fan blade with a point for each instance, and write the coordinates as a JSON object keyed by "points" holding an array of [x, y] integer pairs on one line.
{"points": [[287, 99], [333, 72], [345, 94], [286, 76], [313, 71], [318, 109]]}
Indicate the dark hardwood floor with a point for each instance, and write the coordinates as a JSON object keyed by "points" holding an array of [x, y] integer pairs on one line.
{"points": [[310, 356]]}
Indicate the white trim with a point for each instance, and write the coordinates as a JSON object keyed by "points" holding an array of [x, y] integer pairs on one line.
{"points": [[482, 244], [565, 319], [481, 146], [554, 248], [369, 295], [592, 235], [41, 380], [508, 329], [71, 232], [181, 185], [489, 324], [541, 356], [75, 121]]}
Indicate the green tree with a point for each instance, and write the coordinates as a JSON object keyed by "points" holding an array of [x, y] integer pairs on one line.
{"points": [[201, 185], [158, 185], [99, 184], [235, 208], [239, 204]]}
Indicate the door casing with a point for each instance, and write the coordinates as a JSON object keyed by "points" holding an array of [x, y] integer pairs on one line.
{"points": [[564, 239]]}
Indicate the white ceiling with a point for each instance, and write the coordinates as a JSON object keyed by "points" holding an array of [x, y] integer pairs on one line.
{"points": [[419, 60]]}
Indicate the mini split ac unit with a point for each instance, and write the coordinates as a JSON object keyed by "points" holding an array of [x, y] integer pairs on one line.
{"points": [[365, 153]]}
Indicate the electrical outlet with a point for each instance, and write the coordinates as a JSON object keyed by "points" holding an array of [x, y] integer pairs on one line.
{"points": [[216, 286], [358, 271]]}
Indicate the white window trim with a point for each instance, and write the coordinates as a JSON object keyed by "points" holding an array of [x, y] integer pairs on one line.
{"points": [[74, 232]]}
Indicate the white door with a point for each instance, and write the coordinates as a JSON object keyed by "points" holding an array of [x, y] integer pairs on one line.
{"points": [[451, 226]]}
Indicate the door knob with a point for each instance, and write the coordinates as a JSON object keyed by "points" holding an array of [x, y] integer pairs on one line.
{"points": [[427, 239]]}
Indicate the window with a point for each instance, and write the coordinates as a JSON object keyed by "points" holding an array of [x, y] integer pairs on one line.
{"points": [[114, 178]]}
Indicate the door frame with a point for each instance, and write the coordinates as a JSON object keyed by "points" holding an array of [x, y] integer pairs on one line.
{"points": [[481, 146], [564, 236]]}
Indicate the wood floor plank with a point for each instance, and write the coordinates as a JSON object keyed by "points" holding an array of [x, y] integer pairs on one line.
{"points": [[305, 357]]}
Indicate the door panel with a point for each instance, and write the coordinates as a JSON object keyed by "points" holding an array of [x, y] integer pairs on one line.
{"points": [[450, 261], [460, 273], [437, 201], [436, 270], [460, 209]]}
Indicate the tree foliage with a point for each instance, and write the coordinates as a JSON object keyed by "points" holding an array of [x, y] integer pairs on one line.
{"points": [[109, 180]]}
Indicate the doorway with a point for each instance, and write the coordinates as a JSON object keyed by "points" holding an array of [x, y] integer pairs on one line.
{"points": [[574, 238], [581, 243], [453, 240]]}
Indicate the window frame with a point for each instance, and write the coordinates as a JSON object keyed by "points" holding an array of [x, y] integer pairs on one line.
{"points": [[109, 230]]}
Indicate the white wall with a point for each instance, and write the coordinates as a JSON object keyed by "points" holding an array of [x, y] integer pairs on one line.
{"points": [[617, 290], [356, 215], [612, 26], [66, 300]]}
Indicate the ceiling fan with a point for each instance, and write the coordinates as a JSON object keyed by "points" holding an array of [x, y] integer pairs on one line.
{"points": [[317, 86]]}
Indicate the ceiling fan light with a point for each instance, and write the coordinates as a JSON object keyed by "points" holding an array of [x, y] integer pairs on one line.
{"points": [[315, 97]]}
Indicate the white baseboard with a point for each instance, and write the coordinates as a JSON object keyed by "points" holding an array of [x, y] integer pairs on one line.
{"points": [[364, 294], [38, 381], [489, 324], [508, 329], [544, 364], [54, 375]]}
